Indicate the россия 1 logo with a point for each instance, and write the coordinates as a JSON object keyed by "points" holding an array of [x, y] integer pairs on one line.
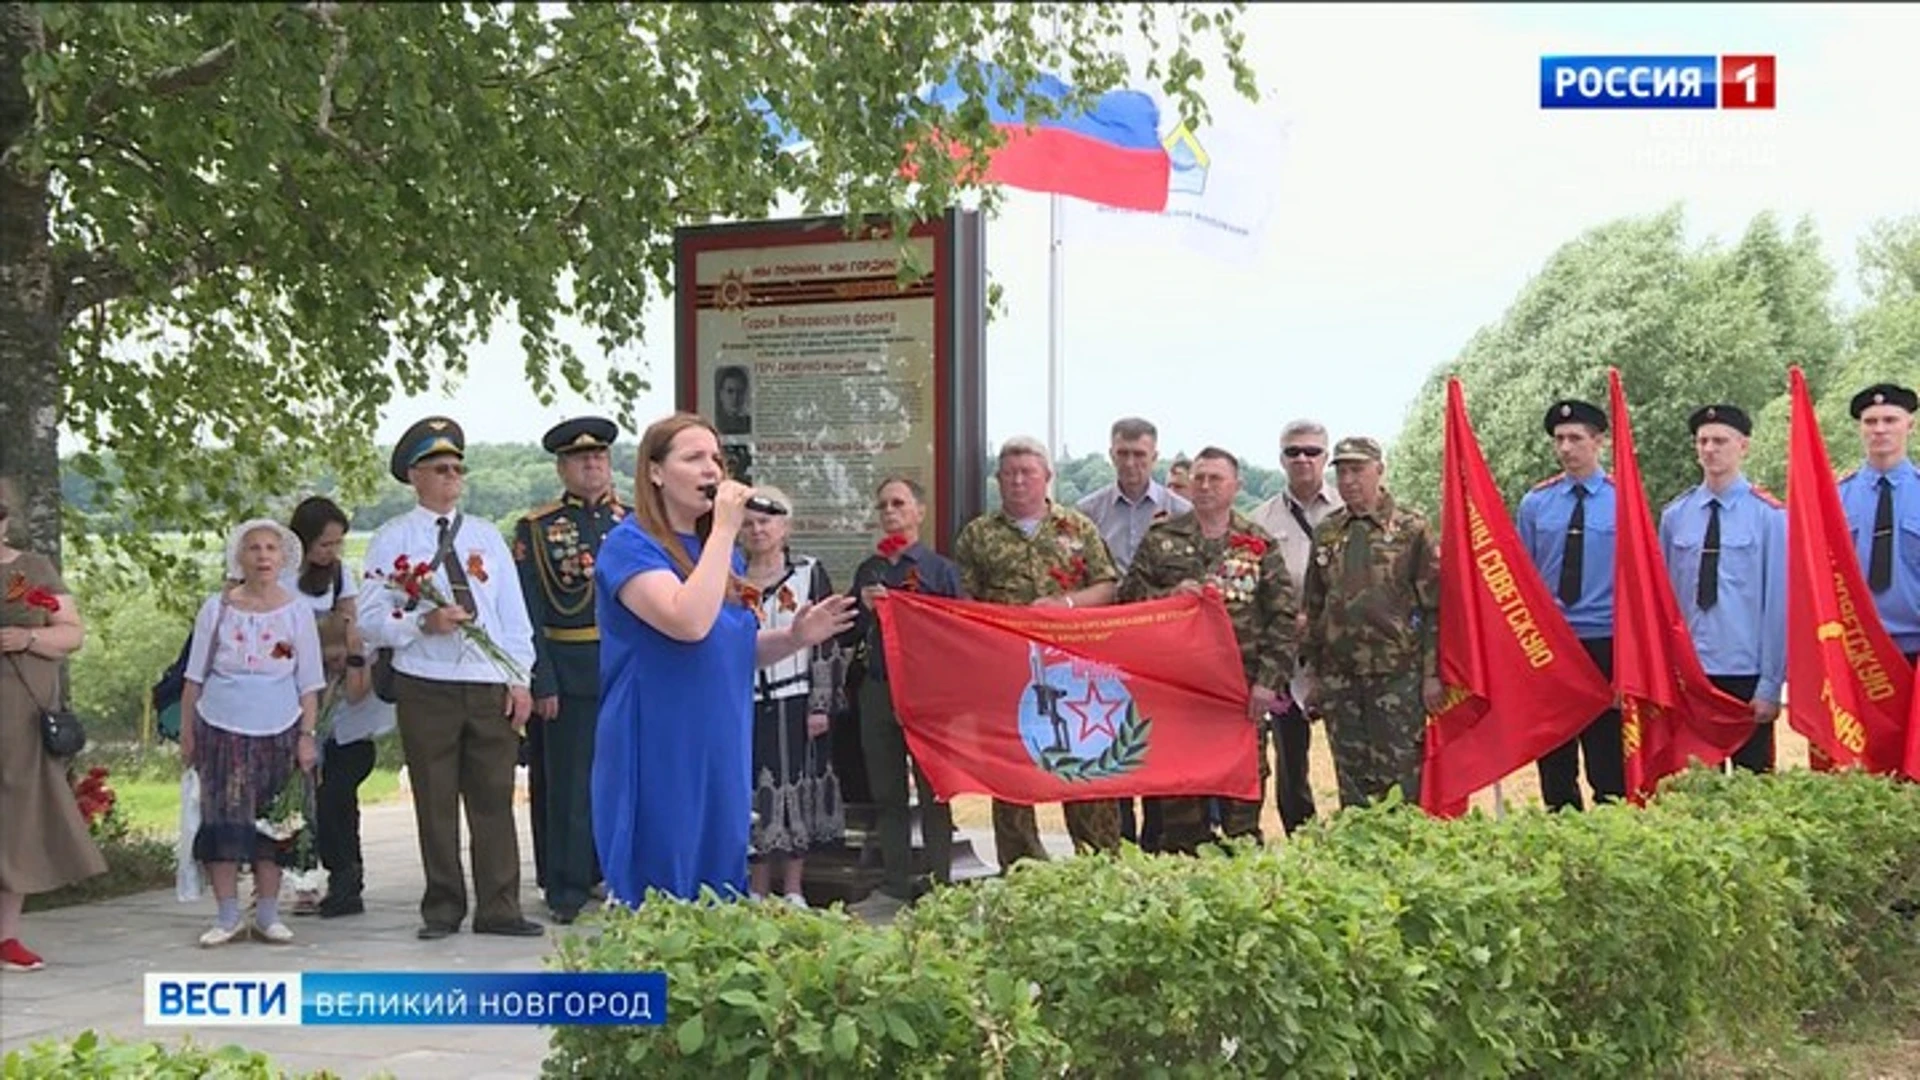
{"points": [[1657, 82]]}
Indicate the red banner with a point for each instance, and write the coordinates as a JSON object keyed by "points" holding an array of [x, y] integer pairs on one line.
{"points": [[1040, 705], [1670, 712], [1518, 682], [1851, 685]]}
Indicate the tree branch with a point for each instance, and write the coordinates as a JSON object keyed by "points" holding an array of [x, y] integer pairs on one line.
{"points": [[205, 70], [323, 13], [87, 279]]}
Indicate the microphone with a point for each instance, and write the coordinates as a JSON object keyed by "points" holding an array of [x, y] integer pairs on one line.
{"points": [[755, 503]]}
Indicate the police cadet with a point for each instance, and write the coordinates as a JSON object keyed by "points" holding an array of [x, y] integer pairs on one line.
{"points": [[1037, 552], [1214, 544], [1372, 604], [554, 547], [1567, 525], [1881, 499], [1725, 543]]}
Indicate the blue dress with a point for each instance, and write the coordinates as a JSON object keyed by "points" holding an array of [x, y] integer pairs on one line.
{"points": [[673, 757]]}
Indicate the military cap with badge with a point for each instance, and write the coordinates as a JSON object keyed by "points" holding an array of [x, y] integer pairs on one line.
{"points": [[1731, 415], [1893, 394], [579, 434], [1575, 411], [436, 436]]}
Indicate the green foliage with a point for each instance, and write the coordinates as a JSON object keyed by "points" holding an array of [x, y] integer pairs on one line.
{"points": [[268, 220], [95, 1056], [1685, 328], [755, 991], [1617, 942]]}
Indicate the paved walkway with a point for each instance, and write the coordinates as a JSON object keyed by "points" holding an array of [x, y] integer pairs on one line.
{"points": [[97, 955]]}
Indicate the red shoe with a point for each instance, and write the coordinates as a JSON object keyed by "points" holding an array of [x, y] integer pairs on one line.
{"points": [[17, 957]]}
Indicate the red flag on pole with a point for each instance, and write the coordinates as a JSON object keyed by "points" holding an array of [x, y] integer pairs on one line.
{"points": [[1670, 712], [1851, 687], [1038, 705], [1518, 682]]}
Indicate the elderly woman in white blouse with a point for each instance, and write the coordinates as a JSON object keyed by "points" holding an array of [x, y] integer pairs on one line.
{"points": [[247, 720]]}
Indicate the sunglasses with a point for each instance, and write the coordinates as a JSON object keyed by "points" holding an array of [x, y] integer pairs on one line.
{"points": [[1304, 451], [447, 468]]}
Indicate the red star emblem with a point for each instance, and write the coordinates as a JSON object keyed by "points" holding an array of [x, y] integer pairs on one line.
{"points": [[1091, 706]]}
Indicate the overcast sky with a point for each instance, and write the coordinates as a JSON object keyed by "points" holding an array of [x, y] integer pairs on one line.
{"points": [[1421, 187]]}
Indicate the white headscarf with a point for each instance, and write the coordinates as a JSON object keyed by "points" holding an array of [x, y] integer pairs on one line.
{"points": [[291, 549]]}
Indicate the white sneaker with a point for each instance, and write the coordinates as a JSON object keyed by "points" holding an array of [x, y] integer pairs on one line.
{"points": [[276, 934], [218, 936], [797, 900]]}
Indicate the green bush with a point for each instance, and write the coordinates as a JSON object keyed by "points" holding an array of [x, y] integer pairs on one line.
{"points": [[90, 1055], [1622, 941]]}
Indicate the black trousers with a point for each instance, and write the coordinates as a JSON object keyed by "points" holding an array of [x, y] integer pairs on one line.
{"points": [[533, 754], [337, 813], [564, 806], [1757, 754], [1599, 740], [1292, 791]]}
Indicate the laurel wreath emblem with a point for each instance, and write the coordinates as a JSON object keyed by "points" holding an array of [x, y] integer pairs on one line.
{"points": [[1127, 752]]}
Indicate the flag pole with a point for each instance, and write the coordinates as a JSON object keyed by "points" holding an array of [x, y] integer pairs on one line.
{"points": [[1056, 329]]}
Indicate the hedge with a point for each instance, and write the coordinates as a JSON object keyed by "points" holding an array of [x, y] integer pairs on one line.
{"points": [[1615, 942]]}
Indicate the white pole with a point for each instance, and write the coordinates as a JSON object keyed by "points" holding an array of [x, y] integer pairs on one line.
{"points": [[1499, 802], [1056, 327]]}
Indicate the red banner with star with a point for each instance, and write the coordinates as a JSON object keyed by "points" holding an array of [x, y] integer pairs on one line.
{"points": [[1040, 705]]}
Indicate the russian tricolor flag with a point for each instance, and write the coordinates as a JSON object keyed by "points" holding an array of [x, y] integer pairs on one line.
{"points": [[1110, 154]]}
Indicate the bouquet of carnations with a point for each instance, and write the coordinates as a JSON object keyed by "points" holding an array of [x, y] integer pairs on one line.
{"points": [[415, 582]]}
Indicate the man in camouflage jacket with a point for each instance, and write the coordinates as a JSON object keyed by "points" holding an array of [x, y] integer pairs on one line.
{"points": [[1215, 545], [1372, 602], [1035, 551]]}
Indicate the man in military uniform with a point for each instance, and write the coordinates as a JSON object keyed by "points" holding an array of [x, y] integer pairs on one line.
{"points": [[1566, 524], [1725, 544], [554, 548], [1881, 499], [1215, 545], [1373, 606], [1035, 551]]}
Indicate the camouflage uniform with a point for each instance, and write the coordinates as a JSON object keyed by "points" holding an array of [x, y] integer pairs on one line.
{"points": [[999, 564], [1371, 643], [1174, 551]]}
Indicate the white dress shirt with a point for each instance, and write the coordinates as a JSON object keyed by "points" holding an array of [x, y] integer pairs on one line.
{"points": [[262, 662], [1296, 544], [501, 609]]}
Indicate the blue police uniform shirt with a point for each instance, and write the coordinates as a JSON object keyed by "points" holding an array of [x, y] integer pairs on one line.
{"points": [[1542, 523], [1745, 632], [1899, 606]]}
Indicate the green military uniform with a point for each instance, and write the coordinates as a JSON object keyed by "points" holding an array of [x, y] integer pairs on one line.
{"points": [[1372, 603], [554, 547], [1000, 564], [1245, 564]]}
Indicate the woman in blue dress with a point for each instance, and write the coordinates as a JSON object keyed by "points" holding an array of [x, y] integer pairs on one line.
{"points": [[673, 757]]}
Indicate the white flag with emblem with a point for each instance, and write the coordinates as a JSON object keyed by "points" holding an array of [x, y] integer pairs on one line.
{"points": [[1221, 190]]}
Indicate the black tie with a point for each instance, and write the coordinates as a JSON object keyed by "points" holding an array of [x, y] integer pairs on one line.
{"points": [[456, 574], [1300, 516], [1880, 566], [1573, 558], [1708, 593]]}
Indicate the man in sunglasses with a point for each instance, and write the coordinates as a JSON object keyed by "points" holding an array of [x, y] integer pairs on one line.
{"points": [[1291, 517], [461, 714]]}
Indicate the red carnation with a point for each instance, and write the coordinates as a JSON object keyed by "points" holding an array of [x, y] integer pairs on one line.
{"points": [[1248, 542], [400, 564], [892, 544]]}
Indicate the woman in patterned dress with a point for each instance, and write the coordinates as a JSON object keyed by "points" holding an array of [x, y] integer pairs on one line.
{"points": [[796, 796]]}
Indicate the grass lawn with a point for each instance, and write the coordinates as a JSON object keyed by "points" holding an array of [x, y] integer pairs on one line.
{"points": [[153, 806]]}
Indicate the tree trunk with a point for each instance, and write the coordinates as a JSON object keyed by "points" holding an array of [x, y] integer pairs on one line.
{"points": [[30, 331]]}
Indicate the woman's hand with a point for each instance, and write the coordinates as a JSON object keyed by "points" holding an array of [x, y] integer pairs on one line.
{"points": [[823, 619], [307, 753], [730, 506], [186, 742], [15, 639]]}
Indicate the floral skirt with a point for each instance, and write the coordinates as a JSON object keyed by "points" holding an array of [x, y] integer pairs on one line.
{"points": [[240, 776], [796, 795]]}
